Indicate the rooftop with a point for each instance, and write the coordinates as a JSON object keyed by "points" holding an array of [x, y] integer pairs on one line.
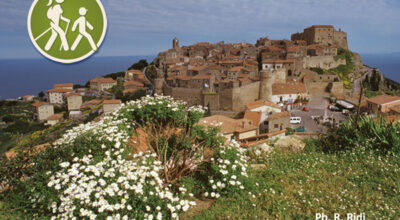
{"points": [[279, 115], [55, 117], [288, 88], [59, 90], [112, 101], [229, 125], [102, 80], [38, 104], [72, 94], [63, 85], [259, 103], [384, 99], [255, 117]]}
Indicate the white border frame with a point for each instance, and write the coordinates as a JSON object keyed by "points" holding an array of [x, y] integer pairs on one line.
{"points": [[67, 61]]}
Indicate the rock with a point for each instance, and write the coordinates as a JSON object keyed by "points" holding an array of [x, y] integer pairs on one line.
{"points": [[258, 166], [292, 142], [262, 148]]}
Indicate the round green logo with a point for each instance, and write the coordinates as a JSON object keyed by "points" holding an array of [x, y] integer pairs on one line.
{"points": [[67, 31]]}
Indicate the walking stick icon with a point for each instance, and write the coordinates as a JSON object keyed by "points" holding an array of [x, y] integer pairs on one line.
{"points": [[66, 30]]}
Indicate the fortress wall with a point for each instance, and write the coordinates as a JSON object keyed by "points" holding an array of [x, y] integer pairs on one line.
{"points": [[191, 96], [243, 95], [317, 87], [324, 62], [212, 99], [225, 99]]}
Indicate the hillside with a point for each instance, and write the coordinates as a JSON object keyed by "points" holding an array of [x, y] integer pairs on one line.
{"points": [[150, 159]]}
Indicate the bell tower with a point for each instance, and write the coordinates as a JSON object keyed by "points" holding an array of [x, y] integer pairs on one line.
{"points": [[175, 43]]}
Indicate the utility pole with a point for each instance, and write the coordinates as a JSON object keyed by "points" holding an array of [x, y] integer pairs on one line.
{"points": [[359, 104]]}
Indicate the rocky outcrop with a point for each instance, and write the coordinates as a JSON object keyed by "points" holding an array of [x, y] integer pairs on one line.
{"points": [[293, 143]]}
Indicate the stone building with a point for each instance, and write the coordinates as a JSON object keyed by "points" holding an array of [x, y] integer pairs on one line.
{"points": [[237, 129], [42, 110], [54, 119], [74, 101], [100, 84], [111, 105], [383, 104], [288, 92], [277, 122], [322, 34], [56, 96]]}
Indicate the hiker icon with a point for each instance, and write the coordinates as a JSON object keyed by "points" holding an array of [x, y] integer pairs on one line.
{"points": [[82, 23], [54, 13]]}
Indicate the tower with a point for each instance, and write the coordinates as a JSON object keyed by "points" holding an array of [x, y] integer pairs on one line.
{"points": [[267, 78], [175, 43]]}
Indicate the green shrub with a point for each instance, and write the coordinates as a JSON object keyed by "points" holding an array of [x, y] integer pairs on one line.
{"points": [[379, 135]]}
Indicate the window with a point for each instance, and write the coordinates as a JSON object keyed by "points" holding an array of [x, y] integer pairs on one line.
{"points": [[276, 126]]}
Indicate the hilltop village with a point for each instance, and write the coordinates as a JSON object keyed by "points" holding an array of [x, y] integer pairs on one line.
{"points": [[255, 91]]}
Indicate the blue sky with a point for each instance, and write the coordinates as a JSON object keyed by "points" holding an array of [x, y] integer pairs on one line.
{"points": [[138, 27]]}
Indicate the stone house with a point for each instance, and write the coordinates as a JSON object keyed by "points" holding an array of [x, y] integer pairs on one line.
{"points": [[197, 70], [132, 74], [263, 106], [382, 104], [237, 129], [277, 122], [74, 101], [259, 111], [205, 82], [101, 84], [64, 86], [42, 110], [110, 105], [28, 98], [54, 119], [56, 96], [288, 92]]}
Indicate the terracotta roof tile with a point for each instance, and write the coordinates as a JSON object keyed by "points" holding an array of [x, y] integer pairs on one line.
{"points": [[259, 103], [72, 94], [133, 83], [229, 125], [55, 117], [102, 80], [288, 88], [384, 99], [112, 101], [38, 104], [278, 115], [63, 85], [59, 90], [255, 117]]}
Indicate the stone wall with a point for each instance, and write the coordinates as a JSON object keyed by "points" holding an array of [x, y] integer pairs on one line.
{"points": [[212, 99], [337, 87], [317, 87], [243, 95], [191, 96], [324, 62]]}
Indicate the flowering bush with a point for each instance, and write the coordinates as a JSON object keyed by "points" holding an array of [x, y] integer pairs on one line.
{"points": [[91, 173], [229, 171]]}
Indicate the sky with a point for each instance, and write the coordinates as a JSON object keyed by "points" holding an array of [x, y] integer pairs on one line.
{"points": [[139, 27]]}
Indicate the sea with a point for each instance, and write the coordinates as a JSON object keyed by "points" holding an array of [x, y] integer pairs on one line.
{"points": [[19, 77]]}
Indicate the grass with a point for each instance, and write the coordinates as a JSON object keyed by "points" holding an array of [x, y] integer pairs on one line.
{"points": [[297, 186]]}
